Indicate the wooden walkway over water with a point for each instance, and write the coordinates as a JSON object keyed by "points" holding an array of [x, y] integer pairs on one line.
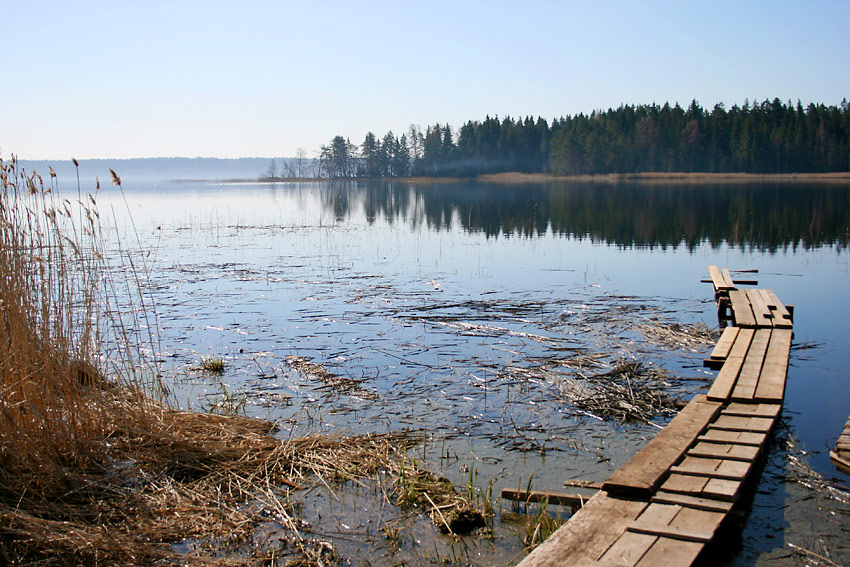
{"points": [[840, 456], [666, 503]]}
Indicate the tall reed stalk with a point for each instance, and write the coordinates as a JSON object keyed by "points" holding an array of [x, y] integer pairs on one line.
{"points": [[51, 274]]}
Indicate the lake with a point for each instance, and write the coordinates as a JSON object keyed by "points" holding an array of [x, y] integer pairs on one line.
{"points": [[476, 312]]}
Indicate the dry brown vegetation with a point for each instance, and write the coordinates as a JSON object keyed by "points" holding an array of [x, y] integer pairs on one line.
{"points": [[93, 469]]}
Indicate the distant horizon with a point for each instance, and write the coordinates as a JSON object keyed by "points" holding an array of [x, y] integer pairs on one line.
{"points": [[312, 153]]}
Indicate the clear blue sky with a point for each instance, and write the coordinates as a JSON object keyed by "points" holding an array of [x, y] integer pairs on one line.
{"points": [[262, 78]]}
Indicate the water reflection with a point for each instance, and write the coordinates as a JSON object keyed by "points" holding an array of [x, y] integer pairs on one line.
{"points": [[762, 217]]}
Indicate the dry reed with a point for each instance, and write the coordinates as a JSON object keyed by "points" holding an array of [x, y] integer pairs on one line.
{"points": [[94, 471]]}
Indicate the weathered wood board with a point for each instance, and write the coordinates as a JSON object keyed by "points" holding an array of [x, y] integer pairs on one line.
{"points": [[727, 278], [588, 534], [781, 314], [667, 552], [742, 311], [762, 313], [724, 345], [737, 437], [771, 386], [719, 282], [725, 451], [645, 471], [748, 377], [744, 424], [723, 385], [840, 456], [753, 410], [714, 468], [689, 501]]}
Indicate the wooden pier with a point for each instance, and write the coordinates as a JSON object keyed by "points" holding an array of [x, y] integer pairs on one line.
{"points": [[840, 456], [666, 503]]}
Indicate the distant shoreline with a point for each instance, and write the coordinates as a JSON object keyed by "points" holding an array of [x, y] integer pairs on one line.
{"points": [[643, 177], [662, 177]]}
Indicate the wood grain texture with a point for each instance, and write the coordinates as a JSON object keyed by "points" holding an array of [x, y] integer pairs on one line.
{"points": [[588, 534], [645, 471]]}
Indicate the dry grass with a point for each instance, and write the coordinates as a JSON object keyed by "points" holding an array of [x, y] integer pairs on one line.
{"points": [[334, 382], [694, 337], [94, 471], [628, 392]]}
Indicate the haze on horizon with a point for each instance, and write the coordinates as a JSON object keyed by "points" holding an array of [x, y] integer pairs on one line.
{"points": [[256, 78]]}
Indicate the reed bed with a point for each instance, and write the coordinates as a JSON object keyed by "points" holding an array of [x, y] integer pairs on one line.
{"points": [[95, 468]]}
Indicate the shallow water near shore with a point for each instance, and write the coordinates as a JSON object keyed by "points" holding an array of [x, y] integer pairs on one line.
{"points": [[469, 312]]}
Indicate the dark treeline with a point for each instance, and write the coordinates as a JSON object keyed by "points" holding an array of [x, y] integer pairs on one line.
{"points": [[766, 137]]}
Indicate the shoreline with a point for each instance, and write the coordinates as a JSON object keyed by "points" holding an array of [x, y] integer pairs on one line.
{"points": [[664, 177], [602, 178]]}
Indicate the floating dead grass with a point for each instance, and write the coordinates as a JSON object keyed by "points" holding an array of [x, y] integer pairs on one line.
{"points": [[693, 337], [630, 391], [334, 382]]}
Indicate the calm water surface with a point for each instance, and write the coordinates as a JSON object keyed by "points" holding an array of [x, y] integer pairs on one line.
{"points": [[458, 308]]}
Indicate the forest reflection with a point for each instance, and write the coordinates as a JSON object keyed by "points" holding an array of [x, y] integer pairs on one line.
{"points": [[765, 217]]}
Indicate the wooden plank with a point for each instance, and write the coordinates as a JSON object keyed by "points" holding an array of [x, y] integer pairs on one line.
{"points": [[705, 521], [723, 385], [689, 484], [737, 437], [682, 533], [720, 285], [741, 309], [727, 278], [659, 513], [684, 484], [764, 316], [714, 468], [748, 378], [841, 462], [735, 281], [576, 483], [668, 552], [628, 549], [771, 386], [588, 534], [724, 451], [688, 501], [559, 498], [782, 315], [752, 410], [722, 489], [738, 423], [645, 471], [724, 345]]}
